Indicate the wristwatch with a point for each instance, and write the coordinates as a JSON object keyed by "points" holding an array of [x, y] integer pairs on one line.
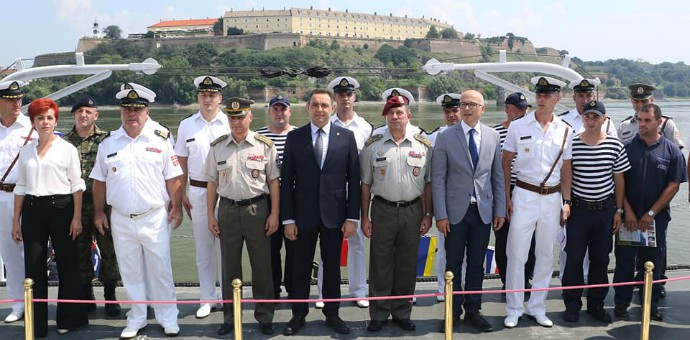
{"points": [[651, 213], [620, 210], [428, 214], [568, 202]]}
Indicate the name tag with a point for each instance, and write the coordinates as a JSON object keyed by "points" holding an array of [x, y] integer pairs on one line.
{"points": [[381, 159], [221, 162], [150, 149], [111, 155], [525, 137], [190, 140]]}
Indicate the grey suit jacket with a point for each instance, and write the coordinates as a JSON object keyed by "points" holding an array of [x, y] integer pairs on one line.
{"points": [[453, 177]]}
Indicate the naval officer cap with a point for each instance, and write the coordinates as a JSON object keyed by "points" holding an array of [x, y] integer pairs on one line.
{"points": [[279, 100], [641, 91], [448, 100], [140, 88], [396, 91], [209, 84], [543, 84], [140, 97], [393, 102], [12, 89], [518, 99], [595, 106], [584, 85], [343, 84], [237, 107], [84, 102]]}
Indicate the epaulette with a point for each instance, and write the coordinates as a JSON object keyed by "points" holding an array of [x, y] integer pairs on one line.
{"points": [[518, 118], [433, 131], [667, 117], [423, 140], [263, 139], [373, 138], [421, 131], [563, 114], [106, 135], [220, 139], [566, 123], [627, 119], [162, 134]]}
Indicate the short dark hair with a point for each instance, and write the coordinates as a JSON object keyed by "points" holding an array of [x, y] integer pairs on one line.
{"points": [[654, 108], [322, 91]]}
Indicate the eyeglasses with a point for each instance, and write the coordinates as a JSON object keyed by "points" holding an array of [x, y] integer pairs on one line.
{"points": [[470, 105]]}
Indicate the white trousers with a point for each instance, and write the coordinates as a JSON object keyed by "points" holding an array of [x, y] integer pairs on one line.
{"points": [[12, 253], [441, 261], [356, 269], [562, 238], [207, 246], [539, 215], [142, 247]]}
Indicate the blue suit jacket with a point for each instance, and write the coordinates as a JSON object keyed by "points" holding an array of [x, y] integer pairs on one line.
{"points": [[453, 177], [313, 196]]}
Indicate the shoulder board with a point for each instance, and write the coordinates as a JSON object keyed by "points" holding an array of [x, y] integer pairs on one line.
{"points": [[186, 117], [667, 117], [263, 139], [518, 118], [563, 113], [372, 139], [434, 130], [220, 139], [422, 131], [162, 134], [627, 119], [423, 140], [566, 123], [106, 135]]}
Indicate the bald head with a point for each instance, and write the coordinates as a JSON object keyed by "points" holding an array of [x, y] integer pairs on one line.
{"points": [[472, 107]]}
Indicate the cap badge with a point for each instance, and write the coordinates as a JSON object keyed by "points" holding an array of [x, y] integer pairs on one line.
{"points": [[344, 82], [208, 81], [447, 99], [543, 82], [90, 102], [592, 103], [280, 97], [395, 93], [584, 83], [640, 90], [14, 86], [235, 105], [522, 97], [133, 95]]}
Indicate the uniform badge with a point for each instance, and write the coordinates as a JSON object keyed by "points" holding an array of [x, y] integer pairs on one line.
{"points": [[416, 170], [382, 171], [640, 90], [114, 169], [174, 160], [380, 153], [255, 173]]}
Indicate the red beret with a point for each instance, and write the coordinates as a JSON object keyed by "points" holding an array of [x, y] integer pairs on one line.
{"points": [[395, 101]]}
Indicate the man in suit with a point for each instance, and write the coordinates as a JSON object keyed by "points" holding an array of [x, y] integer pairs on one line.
{"points": [[319, 198], [468, 193]]}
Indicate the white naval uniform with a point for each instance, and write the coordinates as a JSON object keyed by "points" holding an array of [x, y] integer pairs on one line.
{"points": [[533, 213], [135, 173], [194, 137], [11, 140], [441, 240], [356, 268]]}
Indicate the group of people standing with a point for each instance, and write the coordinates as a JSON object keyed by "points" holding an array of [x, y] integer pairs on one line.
{"points": [[535, 178]]}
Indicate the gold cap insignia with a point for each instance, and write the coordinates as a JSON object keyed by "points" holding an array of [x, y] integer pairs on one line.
{"points": [[344, 82], [543, 82], [584, 83], [14, 86], [447, 99], [395, 93], [235, 105], [640, 90], [133, 95], [208, 81]]}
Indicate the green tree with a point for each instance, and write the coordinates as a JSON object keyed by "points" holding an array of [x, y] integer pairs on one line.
{"points": [[235, 31], [469, 36], [112, 32], [218, 27], [449, 33], [201, 55], [174, 82], [433, 33]]}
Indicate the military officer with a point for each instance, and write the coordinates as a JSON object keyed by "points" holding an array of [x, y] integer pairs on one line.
{"points": [[395, 169], [137, 173], [194, 137], [150, 123], [409, 98], [241, 168], [584, 91], [86, 136], [641, 94], [15, 131]]}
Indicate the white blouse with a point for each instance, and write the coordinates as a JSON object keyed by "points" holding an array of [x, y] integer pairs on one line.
{"points": [[58, 173]]}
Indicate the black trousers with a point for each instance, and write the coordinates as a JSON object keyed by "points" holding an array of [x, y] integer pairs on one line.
{"points": [[50, 217], [330, 241], [281, 274]]}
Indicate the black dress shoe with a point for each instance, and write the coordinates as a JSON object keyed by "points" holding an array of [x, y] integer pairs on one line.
{"points": [[405, 324], [456, 318], [656, 315], [571, 315], [662, 291], [225, 328], [621, 310], [600, 314], [266, 328], [375, 325], [293, 325], [337, 325], [478, 321]]}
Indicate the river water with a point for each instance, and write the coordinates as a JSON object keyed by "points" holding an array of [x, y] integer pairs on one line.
{"points": [[427, 116]]}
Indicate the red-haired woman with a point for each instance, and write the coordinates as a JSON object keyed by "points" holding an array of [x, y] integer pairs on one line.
{"points": [[48, 205]]}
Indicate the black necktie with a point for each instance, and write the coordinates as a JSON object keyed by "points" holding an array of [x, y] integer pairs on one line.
{"points": [[318, 147]]}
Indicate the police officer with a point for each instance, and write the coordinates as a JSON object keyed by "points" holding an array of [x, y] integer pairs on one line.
{"points": [[540, 142], [241, 168], [15, 131], [396, 171], [194, 137], [138, 175], [659, 164], [86, 136], [641, 94], [596, 212]]}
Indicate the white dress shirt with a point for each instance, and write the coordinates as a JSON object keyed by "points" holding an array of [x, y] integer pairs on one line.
{"points": [[57, 173]]}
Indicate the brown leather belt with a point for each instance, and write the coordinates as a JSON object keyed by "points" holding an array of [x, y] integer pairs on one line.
{"points": [[7, 187], [198, 184], [399, 204], [242, 203], [539, 190]]}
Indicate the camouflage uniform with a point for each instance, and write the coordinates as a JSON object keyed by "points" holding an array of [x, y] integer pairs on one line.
{"points": [[109, 272]]}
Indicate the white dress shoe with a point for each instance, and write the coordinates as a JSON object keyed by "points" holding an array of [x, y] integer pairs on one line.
{"points": [[414, 300], [14, 316], [203, 311], [511, 321], [363, 303], [172, 330], [129, 332], [441, 298], [62, 331], [543, 320], [319, 304]]}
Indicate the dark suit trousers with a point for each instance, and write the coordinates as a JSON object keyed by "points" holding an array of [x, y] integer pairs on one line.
{"points": [[473, 235], [237, 226], [393, 258], [281, 275], [330, 241], [43, 218]]}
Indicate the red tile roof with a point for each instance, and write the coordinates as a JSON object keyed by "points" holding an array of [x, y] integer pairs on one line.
{"points": [[191, 22]]}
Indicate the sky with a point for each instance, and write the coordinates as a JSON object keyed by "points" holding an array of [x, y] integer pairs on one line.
{"points": [[589, 30]]}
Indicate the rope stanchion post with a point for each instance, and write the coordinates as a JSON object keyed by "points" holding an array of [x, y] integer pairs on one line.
{"points": [[28, 309], [449, 306], [647, 303], [237, 307]]}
